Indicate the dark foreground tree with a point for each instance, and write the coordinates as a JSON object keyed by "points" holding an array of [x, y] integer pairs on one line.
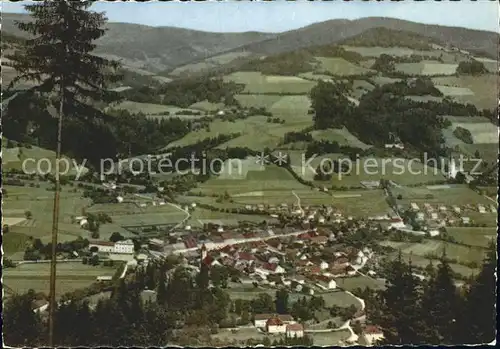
{"points": [[69, 78], [22, 327]]}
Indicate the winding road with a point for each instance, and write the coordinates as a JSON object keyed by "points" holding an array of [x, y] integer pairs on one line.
{"points": [[298, 202]]}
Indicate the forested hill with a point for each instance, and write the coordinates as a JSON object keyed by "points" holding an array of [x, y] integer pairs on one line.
{"points": [[336, 30], [165, 48]]}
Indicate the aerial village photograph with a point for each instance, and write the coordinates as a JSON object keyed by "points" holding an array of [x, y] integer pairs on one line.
{"points": [[239, 174]]}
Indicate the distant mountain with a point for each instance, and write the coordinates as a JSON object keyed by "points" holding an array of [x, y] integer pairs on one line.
{"points": [[339, 29], [155, 48]]}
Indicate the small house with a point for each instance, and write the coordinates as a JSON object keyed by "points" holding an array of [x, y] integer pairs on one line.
{"points": [[372, 334], [294, 331]]}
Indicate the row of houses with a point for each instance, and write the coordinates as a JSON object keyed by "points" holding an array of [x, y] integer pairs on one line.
{"points": [[119, 247]]}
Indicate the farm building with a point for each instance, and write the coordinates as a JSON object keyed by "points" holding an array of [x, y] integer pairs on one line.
{"points": [[156, 244], [481, 209], [104, 278], [103, 246], [414, 206], [260, 320], [372, 334], [124, 246], [326, 283], [275, 325], [295, 331], [456, 208]]}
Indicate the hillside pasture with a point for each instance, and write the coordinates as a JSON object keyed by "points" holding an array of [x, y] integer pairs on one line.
{"points": [[427, 68], [490, 64], [484, 88], [455, 194], [391, 51], [257, 83], [293, 109], [36, 160], [483, 132], [472, 236], [487, 152], [158, 110], [70, 276], [207, 106], [342, 136], [316, 77], [425, 99], [339, 67], [257, 133], [454, 91], [257, 101], [383, 80]]}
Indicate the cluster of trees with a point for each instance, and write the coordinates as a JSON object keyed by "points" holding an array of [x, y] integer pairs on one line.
{"points": [[37, 250], [184, 92], [28, 121], [383, 111], [299, 136], [414, 87], [301, 61], [471, 67], [182, 301], [464, 135], [331, 106], [435, 311]]}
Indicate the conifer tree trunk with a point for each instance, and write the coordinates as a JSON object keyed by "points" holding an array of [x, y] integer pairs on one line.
{"points": [[55, 220]]}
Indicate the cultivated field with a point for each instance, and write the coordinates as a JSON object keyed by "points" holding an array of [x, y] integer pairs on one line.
{"points": [[454, 195], [70, 276], [428, 68], [339, 67], [484, 88]]}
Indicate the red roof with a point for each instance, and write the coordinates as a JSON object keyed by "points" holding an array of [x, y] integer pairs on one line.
{"points": [[208, 260], [190, 242], [295, 327], [315, 269], [304, 236], [270, 266], [249, 234], [227, 249], [274, 321], [372, 329], [246, 256]]}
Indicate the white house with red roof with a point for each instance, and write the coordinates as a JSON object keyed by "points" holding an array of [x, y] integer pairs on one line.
{"points": [[372, 334], [294, 331]]}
